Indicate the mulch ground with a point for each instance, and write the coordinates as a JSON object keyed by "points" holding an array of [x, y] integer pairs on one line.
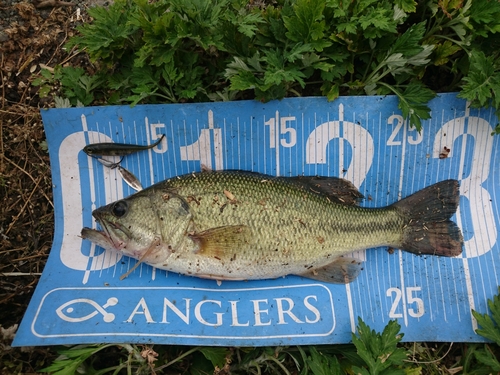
{"points": [[32, 36]]}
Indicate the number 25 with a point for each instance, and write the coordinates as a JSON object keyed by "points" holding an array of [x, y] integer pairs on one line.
{"points": [[410, 299]]}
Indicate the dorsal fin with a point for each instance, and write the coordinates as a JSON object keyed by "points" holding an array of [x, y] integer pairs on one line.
{"points": [[337, 189]]}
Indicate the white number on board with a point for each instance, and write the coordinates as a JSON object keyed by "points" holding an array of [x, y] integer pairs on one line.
{"points": [[355, 135], [284, 129], [414, 304], [414, 139], [157, 131], [480, 204], [203, 149]]}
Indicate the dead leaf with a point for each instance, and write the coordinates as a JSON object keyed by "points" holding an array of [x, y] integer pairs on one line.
{"points": [[149, 354], [229, 195], [8, 334]]}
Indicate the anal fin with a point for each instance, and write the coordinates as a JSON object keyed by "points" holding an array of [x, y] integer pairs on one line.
{"points": [[342, 270]]}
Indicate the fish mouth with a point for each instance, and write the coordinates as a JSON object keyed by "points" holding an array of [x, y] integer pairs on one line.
{"points": [[97, 237], [109, 230]]}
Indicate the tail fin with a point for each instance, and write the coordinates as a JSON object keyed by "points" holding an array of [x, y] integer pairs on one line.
{"points": [[428, 229]]}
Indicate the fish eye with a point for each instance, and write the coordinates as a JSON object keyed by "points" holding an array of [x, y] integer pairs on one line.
{"points": [[119, 208]]}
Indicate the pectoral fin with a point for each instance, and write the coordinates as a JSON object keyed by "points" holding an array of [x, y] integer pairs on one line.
{"points": [[340, 271], [223, 241]]}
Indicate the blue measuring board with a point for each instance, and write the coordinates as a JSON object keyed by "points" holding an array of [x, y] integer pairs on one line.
{"points": [[81, 299]]}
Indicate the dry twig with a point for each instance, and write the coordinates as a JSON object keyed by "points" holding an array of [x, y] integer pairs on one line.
{"points": [[54, 3]]}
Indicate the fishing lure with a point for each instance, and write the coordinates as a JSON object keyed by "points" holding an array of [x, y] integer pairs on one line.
{"points": [[130, 179], [127, 176], [117, 149]]}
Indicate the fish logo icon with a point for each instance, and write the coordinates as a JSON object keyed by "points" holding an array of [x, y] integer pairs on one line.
{"points": [[82, 305]]}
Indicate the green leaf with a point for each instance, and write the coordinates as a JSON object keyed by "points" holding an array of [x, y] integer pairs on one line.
{"points": [[395, 61], [243, 80], [70, 360], [188, 93], [39, 81], [485, 356], [137, 98], [380, 18], [279, 76], [413, 103], [408, 44], [379, 351], [421, 58], [315, 61], [489, 327], [413, 371], [62, 102], [44, 91], [331, 91], [444, 51], [71, 75], [216, 355], [307, 23], [297, 52], [46, 73], [482, 83], [409, 6], [497, 128], [360, 371], [248, 24], [347, 27], [485, 15], [277, 73], [321, 364]]}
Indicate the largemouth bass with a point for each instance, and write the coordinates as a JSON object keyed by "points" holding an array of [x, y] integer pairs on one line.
{"points": [[240, 226]]}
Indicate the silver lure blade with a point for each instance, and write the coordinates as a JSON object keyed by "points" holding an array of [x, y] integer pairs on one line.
{"points": [[130, 179]]}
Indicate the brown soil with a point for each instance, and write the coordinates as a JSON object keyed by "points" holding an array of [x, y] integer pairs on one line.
{"points": [[30, 37]]}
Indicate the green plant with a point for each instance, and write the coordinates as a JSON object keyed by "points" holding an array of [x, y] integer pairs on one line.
{"points": [[372, 353], [490, 329], [76, 360], [78, 87], [196, 50], [139, 359]]}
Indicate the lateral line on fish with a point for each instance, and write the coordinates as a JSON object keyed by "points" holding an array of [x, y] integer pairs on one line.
{"points": [[155, 243]]}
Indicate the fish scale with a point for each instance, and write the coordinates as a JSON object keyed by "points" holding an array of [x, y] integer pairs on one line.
{"points": [[242, 225], [300, 217]]}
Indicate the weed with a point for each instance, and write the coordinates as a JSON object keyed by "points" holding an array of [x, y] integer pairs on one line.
{"points": [[372, 353], [175, 51], [488, 355]]}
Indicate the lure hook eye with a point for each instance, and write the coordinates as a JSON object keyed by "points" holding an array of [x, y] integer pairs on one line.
{"points": [[119, 208]]}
